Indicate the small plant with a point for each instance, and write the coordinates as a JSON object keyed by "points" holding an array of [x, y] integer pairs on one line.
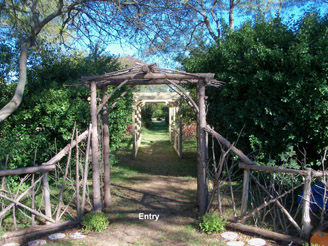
{"points": [[212, 222], [94, 222]]}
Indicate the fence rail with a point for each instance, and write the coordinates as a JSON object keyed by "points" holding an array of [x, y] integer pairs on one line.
{"points": [[266, 190]]}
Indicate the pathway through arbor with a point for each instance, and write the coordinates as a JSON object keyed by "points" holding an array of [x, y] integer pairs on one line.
{"points": [[158, 182]]}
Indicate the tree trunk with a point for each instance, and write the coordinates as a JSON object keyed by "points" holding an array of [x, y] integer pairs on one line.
{"points": [[107, 196], [231, 19], [95, 161], [13, 104]]}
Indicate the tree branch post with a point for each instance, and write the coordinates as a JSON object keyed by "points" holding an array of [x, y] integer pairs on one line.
{"points": [[244, 200], [95, 162], [306, 219], [107, 195], [202, 190]]}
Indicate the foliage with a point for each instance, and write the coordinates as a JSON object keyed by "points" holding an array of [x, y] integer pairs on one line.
{"points": [[95, 221], [189, 132], [45, 119], [147, 114], [160, 110], [212, 222], [276, 86]]}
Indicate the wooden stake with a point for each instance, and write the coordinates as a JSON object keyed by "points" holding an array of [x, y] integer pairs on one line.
{"points": [[95, 162], [134, 132], [306, 219], [86, 171], [33, 190], [3, 186], [77, 179], [60, 198], [46, 192], [107, 195], [244, 198]]}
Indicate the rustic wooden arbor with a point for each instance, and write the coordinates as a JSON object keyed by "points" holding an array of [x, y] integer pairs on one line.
{"points": [[151, 74], [173, 102], [143, 74]]}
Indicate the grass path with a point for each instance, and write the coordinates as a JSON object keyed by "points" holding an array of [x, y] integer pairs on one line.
{"points": [[157, 183]]}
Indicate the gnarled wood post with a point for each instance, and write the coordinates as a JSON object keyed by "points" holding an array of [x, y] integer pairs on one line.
{"points": [[107, 195], [180, 130], [134, 133], [95, 162], [306, 219], [202, 190], [244, 198], [46, 193], [170, 122]]}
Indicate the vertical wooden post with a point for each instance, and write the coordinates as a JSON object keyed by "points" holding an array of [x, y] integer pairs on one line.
{"points": [[202, 190], [170, 123], [77, 177], [3, 180], [107, 195], [33, 193], [206, 145], [138, 127], [244, 199], [306, 219], [134, 138], [46, 193], [95, 162], [180, 131], [86, 170]]}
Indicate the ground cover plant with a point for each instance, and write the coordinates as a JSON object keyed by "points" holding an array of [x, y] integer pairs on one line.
{"points": [[94, 222], [212, 222]]}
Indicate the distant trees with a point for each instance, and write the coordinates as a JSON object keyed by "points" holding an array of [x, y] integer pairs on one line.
{"points": [[276, 88]]}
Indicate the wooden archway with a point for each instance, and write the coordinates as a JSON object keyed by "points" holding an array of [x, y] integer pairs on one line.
{"points": [[143, 74], [173, 102]]}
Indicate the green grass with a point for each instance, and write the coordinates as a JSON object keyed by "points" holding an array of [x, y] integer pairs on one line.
{"points": [[155, 148]]}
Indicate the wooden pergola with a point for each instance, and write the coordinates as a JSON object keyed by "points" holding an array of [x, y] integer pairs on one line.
{"points": [[173, 102], [144, 74]]}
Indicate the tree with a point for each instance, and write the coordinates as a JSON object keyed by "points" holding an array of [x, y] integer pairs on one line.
{"points": [[210, 14], [152, 24], [276, 87]]}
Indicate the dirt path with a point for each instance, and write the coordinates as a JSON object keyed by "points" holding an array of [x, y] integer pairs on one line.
{"points": [[156, 183]]}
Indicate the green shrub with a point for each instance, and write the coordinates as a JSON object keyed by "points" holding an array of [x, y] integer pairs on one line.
{"points": [[212, 222], [94, 222]]}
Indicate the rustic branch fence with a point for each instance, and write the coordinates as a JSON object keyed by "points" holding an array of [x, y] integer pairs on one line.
{"points": [[267, 193], [48, 193]]}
